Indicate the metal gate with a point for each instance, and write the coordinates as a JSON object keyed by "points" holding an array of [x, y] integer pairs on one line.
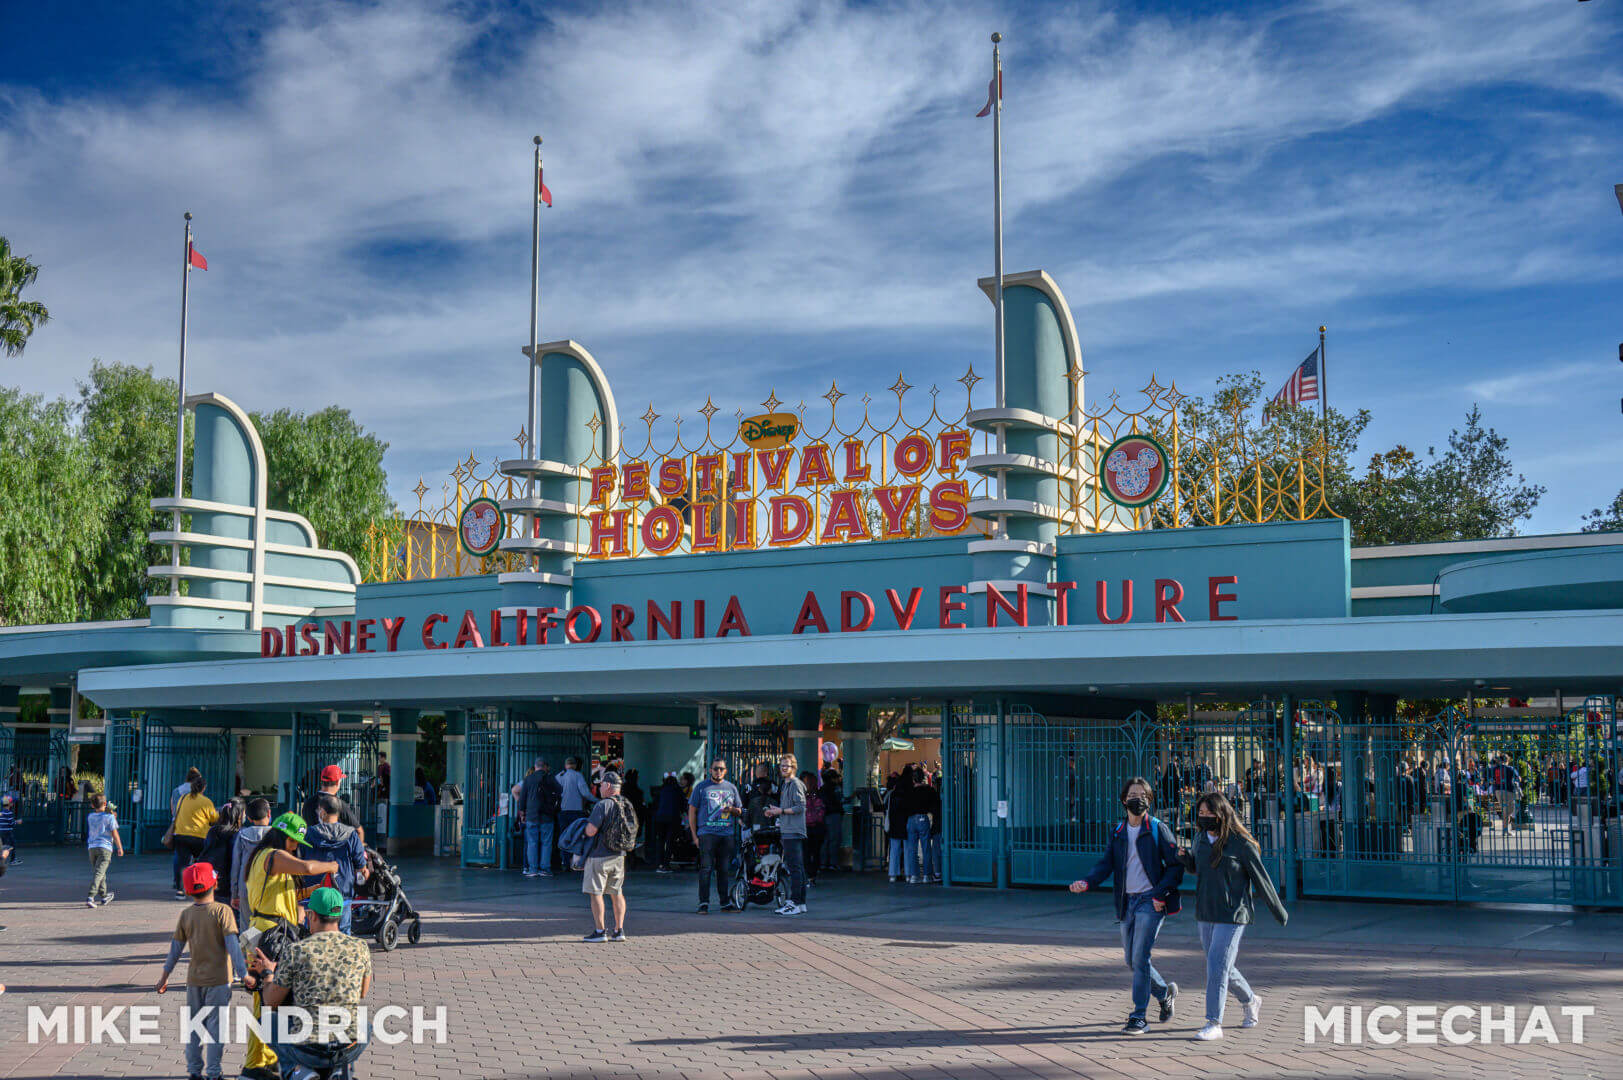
{"points": [[971, 778], [122, 779], [526, 741], [480, 793], [317, 744], [166, 754], [743, 744], [1460, 809], [1239, 758], [1032, 800]]}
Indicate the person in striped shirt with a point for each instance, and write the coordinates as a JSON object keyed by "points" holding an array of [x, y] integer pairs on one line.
{"points": [[8, 826]]}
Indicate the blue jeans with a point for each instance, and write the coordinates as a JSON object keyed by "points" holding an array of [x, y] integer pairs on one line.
{"points": [[918, 846], [312, 1055], [896, 847], [204, 1059], [1138, 931], [1222, 944], [538, 845]]}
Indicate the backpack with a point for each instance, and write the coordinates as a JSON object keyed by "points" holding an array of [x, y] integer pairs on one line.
{"points": [[620, 830], [552, 797]]}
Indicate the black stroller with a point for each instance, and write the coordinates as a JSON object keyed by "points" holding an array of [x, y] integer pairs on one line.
{"points": [[380, 906], [762, 879]]}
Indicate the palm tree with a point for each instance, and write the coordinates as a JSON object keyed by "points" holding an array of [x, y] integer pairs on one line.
{"points": [[19, 318]]}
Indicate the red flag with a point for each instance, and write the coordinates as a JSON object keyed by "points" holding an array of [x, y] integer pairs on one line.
{"points": [[195, 257], [994, 93], [541, 185]]}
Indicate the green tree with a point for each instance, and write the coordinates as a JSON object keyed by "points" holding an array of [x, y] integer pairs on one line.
{"points": [[1470, 492], [19, 318], [55, 512], [1605, 518], [125, 414], [326, 467]]}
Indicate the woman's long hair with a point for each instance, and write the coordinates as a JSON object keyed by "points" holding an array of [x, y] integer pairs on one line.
{"points": [[230, 822], [1228, 823]]}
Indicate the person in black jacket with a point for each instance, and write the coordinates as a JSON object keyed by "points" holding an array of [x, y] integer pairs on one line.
{"points": [[669, 805], [1143, 862], [1230, 866], [898, 808]]}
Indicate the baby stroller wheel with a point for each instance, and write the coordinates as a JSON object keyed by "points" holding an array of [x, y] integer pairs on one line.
{"points": [[415, 932], [389, 935]]}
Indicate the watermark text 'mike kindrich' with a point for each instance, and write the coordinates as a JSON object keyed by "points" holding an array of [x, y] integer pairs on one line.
{"points": [[1387, 1025], [141, 1024]]}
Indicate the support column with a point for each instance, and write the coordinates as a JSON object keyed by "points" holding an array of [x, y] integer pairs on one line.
{"points": [[805, 717], [854, 775], [1000, 763], [456, 748], [411, 827], [286, 763], [1288, 786]]}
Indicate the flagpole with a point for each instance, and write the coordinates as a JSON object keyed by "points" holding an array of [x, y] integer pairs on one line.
{"points": [[997, 257], [535, 320], [1324, 387], [180, 408]]}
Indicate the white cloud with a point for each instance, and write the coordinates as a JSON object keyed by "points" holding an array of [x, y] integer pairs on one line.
{"points": [[765, 176]]}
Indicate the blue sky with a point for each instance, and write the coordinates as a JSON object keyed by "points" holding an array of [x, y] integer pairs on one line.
{"points": [[753, 196]]}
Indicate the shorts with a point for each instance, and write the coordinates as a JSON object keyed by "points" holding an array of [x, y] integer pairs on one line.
{"points": [[604, 875]]}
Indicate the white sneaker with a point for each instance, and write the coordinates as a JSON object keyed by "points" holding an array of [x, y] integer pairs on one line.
{"points": [[1209, 1032], [1252, 1009], [90, 902], [794, 909]]}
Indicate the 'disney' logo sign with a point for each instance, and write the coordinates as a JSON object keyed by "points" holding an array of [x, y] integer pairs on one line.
{"points": [[1136, 471], [769, 430]]}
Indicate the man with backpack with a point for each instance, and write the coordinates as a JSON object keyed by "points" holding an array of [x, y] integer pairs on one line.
{"points": [[540, 799], [612, 827]]}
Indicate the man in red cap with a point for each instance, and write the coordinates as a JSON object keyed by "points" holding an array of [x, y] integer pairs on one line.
{"points": [[331, 777], [210, 930]]}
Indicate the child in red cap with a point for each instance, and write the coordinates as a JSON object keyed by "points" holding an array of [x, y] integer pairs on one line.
{"points": [[210, 929]]}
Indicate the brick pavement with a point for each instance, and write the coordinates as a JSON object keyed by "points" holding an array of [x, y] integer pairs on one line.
{"points": [[881, 983]]}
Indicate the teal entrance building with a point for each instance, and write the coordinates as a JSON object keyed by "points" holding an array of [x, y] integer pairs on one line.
{"points": [[1080, 595]]}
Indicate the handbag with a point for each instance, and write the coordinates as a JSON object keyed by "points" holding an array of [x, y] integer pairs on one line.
{"points": [[168, 840]]}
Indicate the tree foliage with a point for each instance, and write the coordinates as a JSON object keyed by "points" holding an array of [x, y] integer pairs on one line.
{"points": [[1606, 518], [1470, 491], [76, 482], [54, 517], [127, 417], [326, 467], [19, 318]]}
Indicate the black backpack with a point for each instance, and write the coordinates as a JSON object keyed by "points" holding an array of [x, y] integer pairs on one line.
{"points": [[620, 829], [552, 796]]}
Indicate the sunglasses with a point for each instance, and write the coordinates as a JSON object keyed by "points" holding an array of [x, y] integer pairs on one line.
{"points": [[718, 768]]}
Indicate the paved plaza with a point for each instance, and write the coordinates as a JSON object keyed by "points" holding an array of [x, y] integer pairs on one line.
{"points": [[879, 981]]}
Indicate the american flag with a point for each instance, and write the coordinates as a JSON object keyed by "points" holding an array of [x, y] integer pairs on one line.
{"points": [[1303, 385]]}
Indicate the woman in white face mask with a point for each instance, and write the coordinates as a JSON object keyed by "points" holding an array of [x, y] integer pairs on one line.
{"points": [[1230, 867], [1142, 861]]}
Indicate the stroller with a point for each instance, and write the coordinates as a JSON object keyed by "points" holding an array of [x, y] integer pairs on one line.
{"points": [[762, 879], [380, 906]]}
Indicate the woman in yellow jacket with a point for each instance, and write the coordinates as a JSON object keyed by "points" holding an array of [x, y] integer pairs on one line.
{"points": [[273, 888], [194, 813]]}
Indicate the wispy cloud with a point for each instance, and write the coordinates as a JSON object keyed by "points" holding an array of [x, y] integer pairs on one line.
{"points": [[744, 189]]}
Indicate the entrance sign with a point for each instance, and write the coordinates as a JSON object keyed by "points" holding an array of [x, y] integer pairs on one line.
{"points": [[942, 607], [769, 482]]}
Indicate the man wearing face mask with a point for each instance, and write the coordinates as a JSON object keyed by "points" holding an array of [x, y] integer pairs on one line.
{"points": [[1142, 861]]}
